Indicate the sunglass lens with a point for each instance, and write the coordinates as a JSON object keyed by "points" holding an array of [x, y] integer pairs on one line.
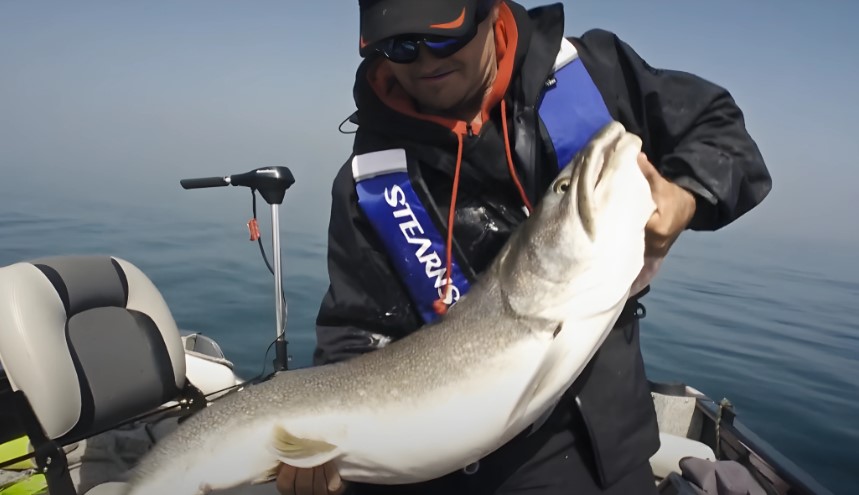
{"points": [[443, 47], [401, 50]]}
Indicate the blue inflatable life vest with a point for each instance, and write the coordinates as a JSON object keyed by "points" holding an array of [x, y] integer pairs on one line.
{"points": [[572, 110]]}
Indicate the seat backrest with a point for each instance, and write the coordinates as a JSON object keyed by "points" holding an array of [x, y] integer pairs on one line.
{"points": [[89, 340]]}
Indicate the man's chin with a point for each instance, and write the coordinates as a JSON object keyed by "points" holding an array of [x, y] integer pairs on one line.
{"points": [[440, 107]]}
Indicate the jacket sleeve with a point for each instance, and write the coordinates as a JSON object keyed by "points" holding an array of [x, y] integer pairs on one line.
{"points": [[366, 305], [693, 130]]}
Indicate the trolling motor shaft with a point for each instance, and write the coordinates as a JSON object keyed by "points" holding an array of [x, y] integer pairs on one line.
{"points": [[272, 183]]}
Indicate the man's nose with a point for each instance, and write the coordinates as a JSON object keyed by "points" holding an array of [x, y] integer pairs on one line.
{"points": [[424, 54]]}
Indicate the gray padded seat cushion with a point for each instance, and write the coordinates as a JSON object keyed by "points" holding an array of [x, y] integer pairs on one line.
{"points": [[89, 340]]}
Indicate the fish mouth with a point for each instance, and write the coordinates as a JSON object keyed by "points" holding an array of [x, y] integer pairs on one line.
{"points": [[594, 165], [607, 153], [610, 148]]}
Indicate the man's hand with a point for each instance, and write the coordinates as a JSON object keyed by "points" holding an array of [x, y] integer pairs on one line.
{"points": [[675, 207], [321, 480]]}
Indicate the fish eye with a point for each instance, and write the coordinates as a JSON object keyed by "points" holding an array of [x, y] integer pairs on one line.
{"points": [[562, 185]]}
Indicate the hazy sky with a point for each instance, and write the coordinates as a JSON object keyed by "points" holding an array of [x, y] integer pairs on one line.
{"points": [[125, 98]]}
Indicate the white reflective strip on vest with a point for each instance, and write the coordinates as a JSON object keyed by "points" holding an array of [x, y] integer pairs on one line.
{"points": [[566, 54], [370, 165]]}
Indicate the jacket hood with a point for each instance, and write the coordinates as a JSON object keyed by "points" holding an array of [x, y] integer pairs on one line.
{"points": [[384, 107]]}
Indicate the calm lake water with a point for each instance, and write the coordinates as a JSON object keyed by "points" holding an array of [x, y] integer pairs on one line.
{"points": [[769, 324]]}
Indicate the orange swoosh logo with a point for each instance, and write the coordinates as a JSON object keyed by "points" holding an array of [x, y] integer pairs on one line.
{"points": [[452, 24]]}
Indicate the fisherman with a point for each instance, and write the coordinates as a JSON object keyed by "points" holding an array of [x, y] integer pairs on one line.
{"points": [[471, 107]]}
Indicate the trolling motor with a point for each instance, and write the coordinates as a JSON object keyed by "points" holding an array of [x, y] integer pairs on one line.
{"points": [[272, 183]]}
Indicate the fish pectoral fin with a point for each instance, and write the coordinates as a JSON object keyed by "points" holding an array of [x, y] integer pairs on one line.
{"points": [[266, 477], [301, 452]]}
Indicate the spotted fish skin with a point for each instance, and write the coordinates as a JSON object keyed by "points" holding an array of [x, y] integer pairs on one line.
{"points": [[449, 394]]}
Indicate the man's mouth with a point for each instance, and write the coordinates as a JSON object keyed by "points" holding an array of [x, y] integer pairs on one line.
{"points": [[437, 76]]}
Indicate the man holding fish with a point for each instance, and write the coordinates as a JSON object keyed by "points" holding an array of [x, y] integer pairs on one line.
{"points": [[467, 110]]}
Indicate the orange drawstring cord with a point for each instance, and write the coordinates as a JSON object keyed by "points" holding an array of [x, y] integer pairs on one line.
{"points": [[440, 305], [510, 158]]}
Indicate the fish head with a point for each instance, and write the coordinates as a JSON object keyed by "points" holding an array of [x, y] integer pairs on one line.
{"points": [[587, 233]]}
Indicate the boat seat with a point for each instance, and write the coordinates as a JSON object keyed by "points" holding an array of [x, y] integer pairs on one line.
{"points": [[87, 343], [673, 449]]}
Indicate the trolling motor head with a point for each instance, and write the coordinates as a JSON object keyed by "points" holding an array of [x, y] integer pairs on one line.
{"points": [[272, 183]]}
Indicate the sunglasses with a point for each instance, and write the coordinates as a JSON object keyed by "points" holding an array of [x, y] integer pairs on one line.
{"points": [[404, 49]]}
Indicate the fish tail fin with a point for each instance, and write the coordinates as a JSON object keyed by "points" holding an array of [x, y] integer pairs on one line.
{"points": [[267, 476]]}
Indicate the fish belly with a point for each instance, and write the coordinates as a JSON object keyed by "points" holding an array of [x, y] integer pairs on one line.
{"points": [[228, 459], [576, 343], [409, 440]]}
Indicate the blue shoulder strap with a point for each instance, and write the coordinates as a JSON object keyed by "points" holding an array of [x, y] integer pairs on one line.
{"points": [[414, 245], [572, 111]]}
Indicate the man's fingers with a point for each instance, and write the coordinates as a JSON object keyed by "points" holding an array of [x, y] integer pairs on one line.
{"points": [[332, 476], [304, 482], [649, 171], [285, 482], [320, 483], [674, 209], [653, 178], [321, 480]]}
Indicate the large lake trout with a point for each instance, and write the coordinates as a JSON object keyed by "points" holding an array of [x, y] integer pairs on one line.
{"points": [[451, 393]]}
